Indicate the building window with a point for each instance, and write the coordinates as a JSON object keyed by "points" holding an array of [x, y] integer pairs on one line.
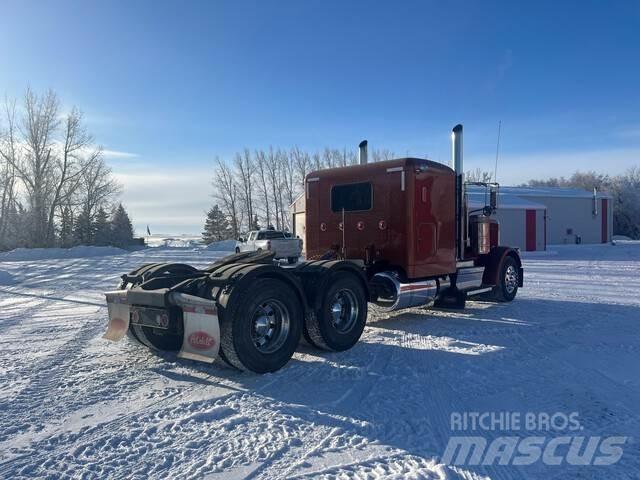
{"points": [[353, 197]]}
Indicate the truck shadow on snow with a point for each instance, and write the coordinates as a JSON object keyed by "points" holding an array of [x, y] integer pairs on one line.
{"points": [[399, 386]]}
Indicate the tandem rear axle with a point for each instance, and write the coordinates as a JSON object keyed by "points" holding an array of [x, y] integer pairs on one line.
{"points": [[251, 312]]}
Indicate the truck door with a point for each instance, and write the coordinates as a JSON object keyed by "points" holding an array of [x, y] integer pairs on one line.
{"points": [[426, 244]]}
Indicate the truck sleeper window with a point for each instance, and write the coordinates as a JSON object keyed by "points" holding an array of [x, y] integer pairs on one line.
{"points": [[352, 197]]}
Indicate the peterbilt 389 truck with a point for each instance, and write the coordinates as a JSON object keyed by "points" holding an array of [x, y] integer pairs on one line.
{"points": [[387, 235]]}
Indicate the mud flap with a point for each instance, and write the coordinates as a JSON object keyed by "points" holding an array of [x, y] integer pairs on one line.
{"points": [[118, 315], [201, 339]]}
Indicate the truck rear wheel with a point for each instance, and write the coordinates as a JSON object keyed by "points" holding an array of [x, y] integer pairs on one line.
{"points": [[261, 329], [340, 321], [507, 286]]}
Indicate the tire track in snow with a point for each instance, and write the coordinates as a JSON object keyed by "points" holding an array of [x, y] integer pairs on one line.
{"points": [[44, 377], [56, 449]]}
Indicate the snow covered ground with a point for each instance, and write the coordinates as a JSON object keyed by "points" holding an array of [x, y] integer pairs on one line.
{"points": [[74, 405]]}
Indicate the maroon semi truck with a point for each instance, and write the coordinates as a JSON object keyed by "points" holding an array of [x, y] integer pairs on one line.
{"points": [[390, 235]]}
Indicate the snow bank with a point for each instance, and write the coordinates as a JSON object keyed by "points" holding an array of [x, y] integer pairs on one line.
{"points": [[6, 278], [173, 241], [223, 246], [82, 251]]}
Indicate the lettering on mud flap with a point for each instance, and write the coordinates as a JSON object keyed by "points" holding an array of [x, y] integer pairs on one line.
{"points": [[201, 333], [201, 340]]}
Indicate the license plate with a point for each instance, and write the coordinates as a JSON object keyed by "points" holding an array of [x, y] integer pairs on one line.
{"points": [[150, 317]]}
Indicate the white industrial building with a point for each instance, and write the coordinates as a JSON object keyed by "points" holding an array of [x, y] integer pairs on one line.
{"points": [[569, 215], [532, 217]]}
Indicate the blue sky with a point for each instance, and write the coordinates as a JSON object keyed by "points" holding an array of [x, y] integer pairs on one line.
{"points": [[166, 86]]}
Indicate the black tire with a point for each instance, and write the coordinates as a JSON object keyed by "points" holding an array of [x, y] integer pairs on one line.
{"points": [[507, 286], [332, 330], [156, 338], [292, 260], [161, 340], [238, 329]]}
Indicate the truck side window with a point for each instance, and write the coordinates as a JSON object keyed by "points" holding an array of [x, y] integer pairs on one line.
{"points": [[352, 197]]}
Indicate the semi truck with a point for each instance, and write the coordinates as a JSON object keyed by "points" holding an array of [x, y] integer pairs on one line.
{"points": [[387, 235]]}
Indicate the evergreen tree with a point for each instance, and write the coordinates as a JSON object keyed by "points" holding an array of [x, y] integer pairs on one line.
{"points": [[102, 228], [121, 228], [66, 227], [216, 226], [15, 235], [83, 231]]}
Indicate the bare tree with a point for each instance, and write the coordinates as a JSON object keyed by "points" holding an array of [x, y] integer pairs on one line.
{"points": [[226, 192], [263, 186], [382, 155], [94, 190], [245, 170], [328, 158], [273, 169], [78, 157], [8, 160], [36, 165], [316, 161], [53, 164], [288, 177], [301, 162], [478, 175]]}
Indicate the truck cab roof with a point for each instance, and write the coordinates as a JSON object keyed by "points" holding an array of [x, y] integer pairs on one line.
{"points": [[358, 171]]}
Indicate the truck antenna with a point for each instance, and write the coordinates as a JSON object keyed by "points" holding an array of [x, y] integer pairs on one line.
{"points": [[495, 171]]}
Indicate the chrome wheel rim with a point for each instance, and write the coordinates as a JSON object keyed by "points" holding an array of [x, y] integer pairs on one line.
{"points": [[510, 279], [344, 310], [270, 326]]}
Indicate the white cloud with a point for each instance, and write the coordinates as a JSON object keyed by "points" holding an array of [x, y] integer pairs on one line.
{"points": [[116, 154], [169, 199]]}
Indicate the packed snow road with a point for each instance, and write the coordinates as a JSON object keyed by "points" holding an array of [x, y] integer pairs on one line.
{"points": [[75, 405]]}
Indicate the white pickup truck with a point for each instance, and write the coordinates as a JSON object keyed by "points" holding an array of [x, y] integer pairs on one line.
{"points": [[276, 241]]}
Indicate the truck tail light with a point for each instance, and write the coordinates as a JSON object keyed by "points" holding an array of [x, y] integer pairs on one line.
{"points": [[268, 244]]}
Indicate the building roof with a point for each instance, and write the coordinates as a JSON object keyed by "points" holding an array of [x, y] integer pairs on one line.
{"points": [[506, 201], [552, 192]]}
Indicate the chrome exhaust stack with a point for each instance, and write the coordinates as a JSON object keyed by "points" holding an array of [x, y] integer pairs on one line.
{"points": [[362, 152], [458, 166]]}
